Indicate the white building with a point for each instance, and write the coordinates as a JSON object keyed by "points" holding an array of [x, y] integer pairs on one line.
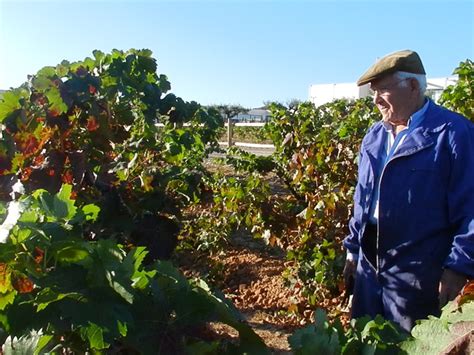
{"points": [[435, 86], [320, 94], [260, 114]]}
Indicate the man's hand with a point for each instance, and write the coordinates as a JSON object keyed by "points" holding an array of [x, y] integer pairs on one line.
{"points": [[450, 285], [349, 275]]}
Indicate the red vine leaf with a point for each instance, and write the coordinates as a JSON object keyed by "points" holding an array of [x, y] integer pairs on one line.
{"points": [[25, 174], [92, 124], [26, 143], [467, 293], [39, 159], [67, 177], [38, 255], [53, 113], [22, 284], [92, 89]]}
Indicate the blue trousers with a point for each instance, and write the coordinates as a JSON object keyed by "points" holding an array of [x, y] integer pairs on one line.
{"points": [[393, 294]]}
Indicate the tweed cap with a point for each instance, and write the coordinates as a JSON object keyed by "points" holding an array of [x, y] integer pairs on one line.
{"points": [[406, 60]]}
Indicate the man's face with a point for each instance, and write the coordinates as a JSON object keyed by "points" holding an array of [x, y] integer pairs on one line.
{"points": [[395, 98]]}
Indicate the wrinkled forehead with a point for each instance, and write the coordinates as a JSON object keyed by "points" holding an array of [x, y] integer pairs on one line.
{"points": [[384, 80]]}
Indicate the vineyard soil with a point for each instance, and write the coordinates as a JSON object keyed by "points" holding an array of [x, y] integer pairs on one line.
{"points": [[249, 272]]}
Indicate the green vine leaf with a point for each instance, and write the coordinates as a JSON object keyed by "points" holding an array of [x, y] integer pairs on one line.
{"points": [[94, 334], [64, 206]]}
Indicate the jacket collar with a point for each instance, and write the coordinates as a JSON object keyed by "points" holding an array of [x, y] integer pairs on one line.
{"points": [[420, 138]]}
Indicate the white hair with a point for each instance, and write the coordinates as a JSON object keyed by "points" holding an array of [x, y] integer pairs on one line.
{"points": [[421, 78]]}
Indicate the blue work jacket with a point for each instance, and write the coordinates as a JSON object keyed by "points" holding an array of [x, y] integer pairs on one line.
{"points": [[426, 214]]}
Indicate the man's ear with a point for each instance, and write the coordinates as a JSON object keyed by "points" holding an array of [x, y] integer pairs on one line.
{"points": [[414, 84]]}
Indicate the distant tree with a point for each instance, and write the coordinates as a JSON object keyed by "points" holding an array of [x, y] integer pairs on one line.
{"points": [[268, 103], [289, 103], [294, 102], [229, 111]]}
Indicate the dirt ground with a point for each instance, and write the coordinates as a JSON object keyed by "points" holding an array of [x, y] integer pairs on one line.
{"points": [[250, 274]]}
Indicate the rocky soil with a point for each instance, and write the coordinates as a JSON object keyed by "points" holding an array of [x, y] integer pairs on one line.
{"points": [[250, 274]]}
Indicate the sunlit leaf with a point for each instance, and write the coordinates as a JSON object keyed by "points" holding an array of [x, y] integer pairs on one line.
{"points": [[91, 212], [94, 335], [63, 204], [71, 253], [10, 101], [7, 298], [5, 278], [48, 296]]}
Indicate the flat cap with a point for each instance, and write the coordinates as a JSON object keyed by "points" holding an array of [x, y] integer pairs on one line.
{"points": [[406, 60]]}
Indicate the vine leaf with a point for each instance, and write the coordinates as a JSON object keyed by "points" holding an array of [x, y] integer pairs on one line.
{"points": [[5, 278]]}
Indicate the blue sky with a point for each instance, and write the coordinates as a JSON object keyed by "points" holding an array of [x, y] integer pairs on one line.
{"points": [[238, 52]]}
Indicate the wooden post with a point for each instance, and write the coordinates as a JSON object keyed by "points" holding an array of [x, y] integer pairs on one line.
{"points": [[229, 132]]}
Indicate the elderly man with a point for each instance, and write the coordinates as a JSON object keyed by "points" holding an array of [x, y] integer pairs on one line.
{"points": [[411, 242]]}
